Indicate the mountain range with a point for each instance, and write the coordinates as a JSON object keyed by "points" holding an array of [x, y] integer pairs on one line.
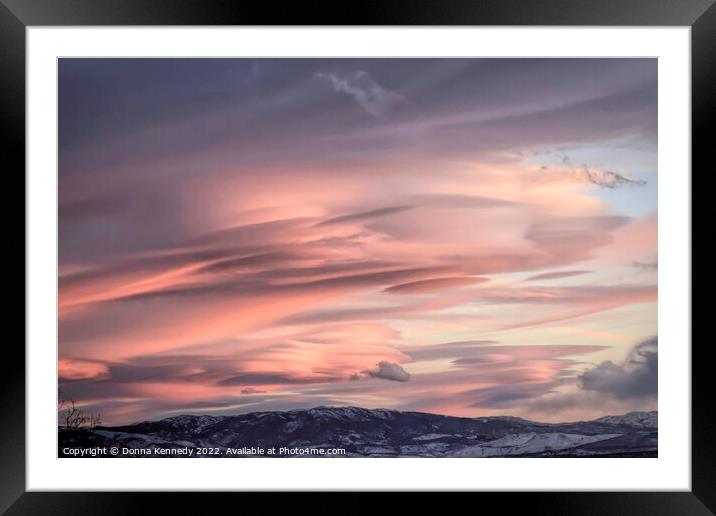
{"points": [[359, 432]]}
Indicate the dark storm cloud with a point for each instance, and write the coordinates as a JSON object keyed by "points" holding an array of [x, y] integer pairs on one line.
{"points": [[637, 377], [633, 381], [388, 371]]}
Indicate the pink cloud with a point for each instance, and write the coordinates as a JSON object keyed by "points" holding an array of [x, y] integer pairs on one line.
{"points": [[433, 285], [277, 248], [72, 369]]}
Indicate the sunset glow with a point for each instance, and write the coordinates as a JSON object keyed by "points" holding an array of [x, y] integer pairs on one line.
{"points": [[459, 236]]}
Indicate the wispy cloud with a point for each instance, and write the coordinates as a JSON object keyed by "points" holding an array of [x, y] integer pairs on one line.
{"points": [[598, 176], [370, 95], [556, 275], [609, 179], [646, 266], [364, 215], [254, 244]]}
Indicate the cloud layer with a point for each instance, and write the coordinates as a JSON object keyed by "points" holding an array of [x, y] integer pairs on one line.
{"points": [[388, 371], [637, 377], [633, 382], [370, 95], [265, 234]]}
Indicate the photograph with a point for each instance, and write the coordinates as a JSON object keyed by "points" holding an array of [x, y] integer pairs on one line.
{"points": [[357, 257]]}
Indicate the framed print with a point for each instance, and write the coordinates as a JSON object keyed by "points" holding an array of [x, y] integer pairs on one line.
{"points": [[409, 248]]}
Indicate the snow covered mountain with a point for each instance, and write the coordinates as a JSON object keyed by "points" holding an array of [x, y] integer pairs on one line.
{"points": [[363, 432], [530, 443], [635, 419]]}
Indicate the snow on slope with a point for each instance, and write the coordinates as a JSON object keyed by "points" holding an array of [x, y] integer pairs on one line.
{"points": [[635, 419], [520, 444], [383, 433], [146, 441]]}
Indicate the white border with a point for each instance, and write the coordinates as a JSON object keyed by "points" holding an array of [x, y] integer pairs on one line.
{"points": [[671, 471]]}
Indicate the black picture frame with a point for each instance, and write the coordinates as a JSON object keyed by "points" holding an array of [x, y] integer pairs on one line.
{"points": [[17, 15]]}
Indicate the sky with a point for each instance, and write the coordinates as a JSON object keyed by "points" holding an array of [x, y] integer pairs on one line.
{"points": [[468, 237]]}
